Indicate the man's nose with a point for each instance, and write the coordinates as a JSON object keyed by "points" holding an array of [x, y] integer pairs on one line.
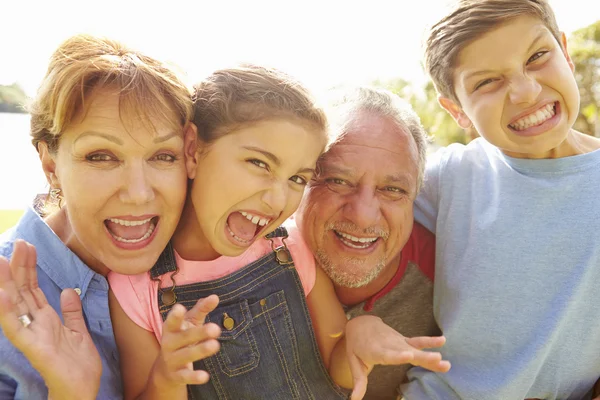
{"points": [[363, 208]]}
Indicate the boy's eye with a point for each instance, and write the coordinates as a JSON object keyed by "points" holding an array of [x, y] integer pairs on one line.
{"points": [[259, 163], [536, 56], [298, 179], [483, 83], [100, 157]]}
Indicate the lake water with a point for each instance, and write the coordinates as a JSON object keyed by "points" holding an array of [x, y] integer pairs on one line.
{"points": [[21, 175]]}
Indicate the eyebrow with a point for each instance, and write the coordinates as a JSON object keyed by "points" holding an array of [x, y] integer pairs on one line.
{"points": [[274, 159], [108, 137], [400, 178], [539, 37]]}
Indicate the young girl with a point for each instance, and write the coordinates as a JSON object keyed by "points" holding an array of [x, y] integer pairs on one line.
{"points": [[260, 135]]}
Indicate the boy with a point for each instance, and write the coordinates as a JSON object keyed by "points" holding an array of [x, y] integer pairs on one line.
{"points": [[518, 211]]}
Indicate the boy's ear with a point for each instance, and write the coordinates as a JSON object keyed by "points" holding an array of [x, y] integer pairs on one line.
{"points": [[48, 165], [563, 42], [455, 111], [190, 140]]}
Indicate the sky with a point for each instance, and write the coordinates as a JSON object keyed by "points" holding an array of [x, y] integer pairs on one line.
{"points": [[321, 42]]}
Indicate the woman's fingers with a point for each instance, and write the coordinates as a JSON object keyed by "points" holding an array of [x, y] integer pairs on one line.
{"points": [[12, 327], [20, 268]]}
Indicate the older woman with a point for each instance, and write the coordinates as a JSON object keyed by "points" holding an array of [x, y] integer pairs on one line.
{"points": [[110, 127]]}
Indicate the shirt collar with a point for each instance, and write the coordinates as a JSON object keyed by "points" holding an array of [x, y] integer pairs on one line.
{"points": [[55, 258]]}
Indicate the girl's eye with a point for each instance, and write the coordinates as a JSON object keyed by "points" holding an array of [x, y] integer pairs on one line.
{"points": [[259, 163], [536, 56], [165, 157], [100, 157], [298, 179]]}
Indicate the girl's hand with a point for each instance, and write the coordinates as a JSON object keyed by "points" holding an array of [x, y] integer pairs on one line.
{"points": [[185, 339], [369, 341], [64, 355]]}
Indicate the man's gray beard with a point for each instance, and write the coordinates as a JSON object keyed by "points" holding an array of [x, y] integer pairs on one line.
{"points": [[338, 273]]}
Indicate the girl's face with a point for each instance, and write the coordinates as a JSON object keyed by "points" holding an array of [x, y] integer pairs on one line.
{"points": [[247, 183], [123, 186]]}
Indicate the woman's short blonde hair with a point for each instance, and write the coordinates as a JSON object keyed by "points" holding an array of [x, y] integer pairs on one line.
{"points": [[82, 63]]}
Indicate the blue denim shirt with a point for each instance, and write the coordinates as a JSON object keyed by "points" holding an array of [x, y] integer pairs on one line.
{"points": [[58, 268]]}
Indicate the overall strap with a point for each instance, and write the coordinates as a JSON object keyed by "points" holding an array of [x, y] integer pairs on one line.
{"points": [[166, 263]]}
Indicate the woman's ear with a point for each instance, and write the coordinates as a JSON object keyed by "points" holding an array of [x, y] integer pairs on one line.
{"points": [[48, 164], [455, 111]]}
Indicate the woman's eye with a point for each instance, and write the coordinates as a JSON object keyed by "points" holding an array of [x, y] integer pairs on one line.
{"points": [[100, 157], [536, 56], [298, 179], [165, 157], [259, 163]]}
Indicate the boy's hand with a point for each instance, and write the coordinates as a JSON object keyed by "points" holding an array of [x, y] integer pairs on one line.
{"points": [[185, 339], [64, 355], [369, 341]]}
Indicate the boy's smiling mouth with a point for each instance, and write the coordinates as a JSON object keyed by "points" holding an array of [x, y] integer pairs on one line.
{"points": [[535, 118]]}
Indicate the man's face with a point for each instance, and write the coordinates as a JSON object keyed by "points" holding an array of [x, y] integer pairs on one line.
{"points": [[357, 214]]}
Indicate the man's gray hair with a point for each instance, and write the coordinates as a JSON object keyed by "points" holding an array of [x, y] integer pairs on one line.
{"points": [[346, 102]]}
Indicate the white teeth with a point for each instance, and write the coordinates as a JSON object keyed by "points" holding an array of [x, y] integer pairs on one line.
{"points": [[129, 223], [540, 116], [351, 241], [255, 219], [146, 235]]}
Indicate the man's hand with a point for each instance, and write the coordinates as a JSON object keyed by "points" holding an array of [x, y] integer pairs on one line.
{"points": [[64, 355], [369, 341]]}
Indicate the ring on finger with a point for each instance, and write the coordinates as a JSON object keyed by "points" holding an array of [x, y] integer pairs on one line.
{"points": [[26, 319]]}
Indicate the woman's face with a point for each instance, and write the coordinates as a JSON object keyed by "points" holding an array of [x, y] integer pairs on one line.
{"points": [[123, 185], [247, 183]]}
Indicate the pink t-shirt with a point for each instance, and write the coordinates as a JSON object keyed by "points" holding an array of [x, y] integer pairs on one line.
{"points": [[138, 294]]}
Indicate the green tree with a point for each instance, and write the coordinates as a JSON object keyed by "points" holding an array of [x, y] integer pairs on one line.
{"points": [[435, 120], [584, 48]]}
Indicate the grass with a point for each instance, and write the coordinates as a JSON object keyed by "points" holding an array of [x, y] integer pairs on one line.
{"points": [[8, 218]]}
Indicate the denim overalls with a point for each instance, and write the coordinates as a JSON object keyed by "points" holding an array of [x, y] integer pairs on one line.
{"points": [[268, 347]]}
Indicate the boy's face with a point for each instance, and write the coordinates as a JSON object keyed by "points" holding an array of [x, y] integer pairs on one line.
{"points": [[516, 86]]}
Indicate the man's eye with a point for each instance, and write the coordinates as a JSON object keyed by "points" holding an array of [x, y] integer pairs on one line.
{"points": [[298, 179], [100, 157], [336, 181], [536, 56], [259, 163]]}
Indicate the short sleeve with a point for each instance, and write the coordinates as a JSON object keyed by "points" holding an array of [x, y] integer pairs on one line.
{"points": [[134, 300], [427, 201], [302, 256], [424, 254]]}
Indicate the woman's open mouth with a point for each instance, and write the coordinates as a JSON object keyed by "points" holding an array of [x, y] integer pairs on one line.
{"points": [[131, 231]]}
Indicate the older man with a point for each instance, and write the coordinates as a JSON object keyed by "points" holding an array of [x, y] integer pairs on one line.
{"points": [[357, 218]]}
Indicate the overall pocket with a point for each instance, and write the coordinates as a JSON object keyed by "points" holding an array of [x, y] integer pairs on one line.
{"points": [[239, 351]]}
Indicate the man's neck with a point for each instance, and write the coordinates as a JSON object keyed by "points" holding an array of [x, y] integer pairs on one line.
{"points": [[352, 296]]}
